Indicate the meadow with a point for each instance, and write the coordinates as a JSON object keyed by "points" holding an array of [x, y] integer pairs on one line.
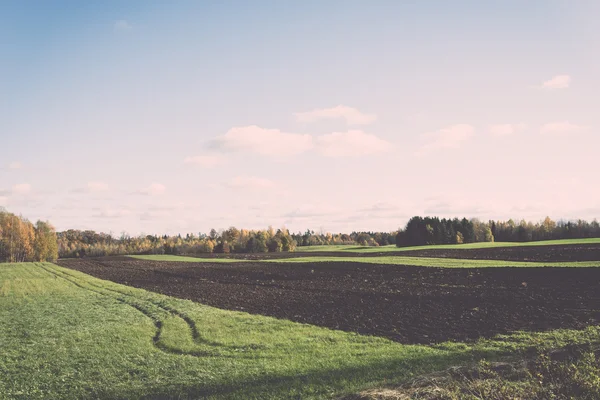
{"points": [[66, 334]]}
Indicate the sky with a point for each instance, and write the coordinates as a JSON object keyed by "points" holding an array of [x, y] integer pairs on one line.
{"points": [[182, 116]]}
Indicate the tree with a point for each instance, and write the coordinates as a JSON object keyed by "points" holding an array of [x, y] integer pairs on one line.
{"points": [[16, 239], [231, 235], [547, 228], [489, 237], [275, 245], [3, 252], [45, 246], [467, 231], [482, 231], [256, 244], [25, 241], [430, 239], [450, 233], [222, 247], [288, 243]]}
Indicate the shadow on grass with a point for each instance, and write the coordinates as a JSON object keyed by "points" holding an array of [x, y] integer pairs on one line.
{"points": [[317, 383]]}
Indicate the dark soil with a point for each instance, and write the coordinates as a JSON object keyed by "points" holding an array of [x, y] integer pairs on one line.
{"points": [[571, 252], [404, 303]]}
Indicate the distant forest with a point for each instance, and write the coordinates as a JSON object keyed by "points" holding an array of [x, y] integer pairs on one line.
{"points": [[426, 231], [75, 243], [20, 240], [418, 231]]}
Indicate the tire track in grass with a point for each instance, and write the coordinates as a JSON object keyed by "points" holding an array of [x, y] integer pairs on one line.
{"points": [[189, 321], [158, 323], [197, 338], [191, 324]]}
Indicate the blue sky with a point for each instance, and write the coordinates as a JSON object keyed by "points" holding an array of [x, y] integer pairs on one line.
{"points": [[157, 117]]}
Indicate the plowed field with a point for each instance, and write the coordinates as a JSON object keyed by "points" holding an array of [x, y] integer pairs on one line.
{"points": [[404, 303], [541, 253], [579, 252]]}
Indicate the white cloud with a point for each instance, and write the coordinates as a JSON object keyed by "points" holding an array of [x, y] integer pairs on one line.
{"points": [[506, 129], [447, 138], [121, 26], [92, 187], [561, 128], [382, 210], [152, 215], [416, 118], [312, 212], [251, 182], [21, 188], [380, 206], [95, 187], [15, 165], [268, 142], [153, 190], [557, 82], [208, 161], [351, 115], [351, 143], [454, 208], [275, 143], [3, 200], [112, 213]]}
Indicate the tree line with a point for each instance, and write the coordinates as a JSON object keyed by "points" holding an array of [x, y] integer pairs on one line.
{"points": [[21, 241], [76, 243], [432, 230], [310, 238]]}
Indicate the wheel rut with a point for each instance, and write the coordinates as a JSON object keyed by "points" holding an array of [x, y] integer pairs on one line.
{"points": [[138, 304]]}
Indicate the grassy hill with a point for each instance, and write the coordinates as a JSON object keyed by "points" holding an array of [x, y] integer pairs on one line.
{"points": [[67, 335]]}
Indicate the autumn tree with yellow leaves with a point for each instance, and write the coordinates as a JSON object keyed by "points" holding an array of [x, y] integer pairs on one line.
{"points": [[21, 241]]}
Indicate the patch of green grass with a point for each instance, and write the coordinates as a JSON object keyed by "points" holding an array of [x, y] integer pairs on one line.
{"points": [[576, 377], [482, 245], [440, 262], [67, 335], [571, 373], [394, 260]]}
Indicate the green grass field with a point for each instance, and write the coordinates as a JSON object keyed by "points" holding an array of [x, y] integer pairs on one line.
{"points": [[67, 335], [484, 245], [395, 260]]}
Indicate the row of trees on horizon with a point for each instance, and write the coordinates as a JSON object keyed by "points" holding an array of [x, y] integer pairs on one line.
{"points": [[432, 230], [20, 240], [76, 243], [418, 231]]}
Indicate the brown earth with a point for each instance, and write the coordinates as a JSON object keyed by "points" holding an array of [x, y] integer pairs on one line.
{"points": [[571, 252], [404, 303]]}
